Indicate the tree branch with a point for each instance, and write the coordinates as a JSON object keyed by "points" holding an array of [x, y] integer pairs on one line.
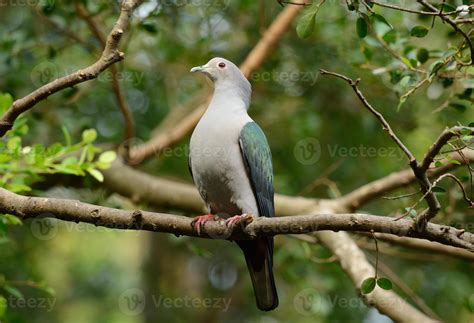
{"points": [[453, 24], [121, 100], [110, 55], [370, 191], [75, 211], [426, 246], [419, 170]]}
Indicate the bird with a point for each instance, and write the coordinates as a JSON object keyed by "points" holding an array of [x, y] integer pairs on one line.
{"points": [[231, 165]]}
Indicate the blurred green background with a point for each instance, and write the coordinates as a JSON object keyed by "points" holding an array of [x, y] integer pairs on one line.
{"points": [[79, 273]]}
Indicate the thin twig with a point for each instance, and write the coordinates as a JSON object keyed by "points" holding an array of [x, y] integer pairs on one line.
{"points": [[454, 25], [121, 100], [378, 115], [419, 12]]}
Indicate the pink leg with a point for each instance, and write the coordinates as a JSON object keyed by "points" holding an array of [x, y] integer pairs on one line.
{"points": [[199, 221], [233, 220]]}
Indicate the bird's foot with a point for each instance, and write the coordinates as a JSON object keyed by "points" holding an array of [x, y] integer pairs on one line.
{"points": [[199, 221], [247, 218]]}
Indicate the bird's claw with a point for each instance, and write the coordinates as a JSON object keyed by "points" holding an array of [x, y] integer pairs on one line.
{"points": [[199, 221], [247, 218]]}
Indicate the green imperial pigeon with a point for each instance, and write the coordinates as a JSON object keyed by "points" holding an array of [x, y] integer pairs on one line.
{"points": [[231, 165]]}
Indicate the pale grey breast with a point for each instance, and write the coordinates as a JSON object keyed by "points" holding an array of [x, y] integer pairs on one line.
{"points": [[217, 165]]}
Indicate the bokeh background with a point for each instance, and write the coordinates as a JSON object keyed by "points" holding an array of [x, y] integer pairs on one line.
{"points": [[69, 272]]}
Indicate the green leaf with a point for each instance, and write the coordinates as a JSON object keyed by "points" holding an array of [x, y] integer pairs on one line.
{"points": [[89, 135], [90, 153], [381, 19], [10, 219], [419, 31], [471, 124], [107, 157], [390, 36], [305, 26], [5, 158], [68, 169], [13, 291], [368, 285], [3, 306], [67, 136], [49, 290], [96, 174], [18, 187], [149, 27], [13, 144], [6, 101], [461, 107], [362, 27], [407, 61], [455, 162], [438, 190], [384, 283], [70, 161], [405, 81], [422, 55], [435, 66]]}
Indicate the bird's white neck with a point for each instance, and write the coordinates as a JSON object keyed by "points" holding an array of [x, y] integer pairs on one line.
{"points": [[230, 99]]}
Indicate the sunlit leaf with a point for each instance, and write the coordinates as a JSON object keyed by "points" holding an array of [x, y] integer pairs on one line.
{"points": [[96, 174], [89, 135]]}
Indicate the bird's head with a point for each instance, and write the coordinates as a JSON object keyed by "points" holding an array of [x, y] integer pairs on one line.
{"points": [[225, 75]]}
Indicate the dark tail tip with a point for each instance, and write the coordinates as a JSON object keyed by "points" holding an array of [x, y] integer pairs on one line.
{"points": [[258, 255]]}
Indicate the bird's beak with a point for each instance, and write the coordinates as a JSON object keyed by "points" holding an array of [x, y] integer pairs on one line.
{"points": [[200, 69]]}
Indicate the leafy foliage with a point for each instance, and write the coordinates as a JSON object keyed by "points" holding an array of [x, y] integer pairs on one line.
{"points": [[23, 165]]}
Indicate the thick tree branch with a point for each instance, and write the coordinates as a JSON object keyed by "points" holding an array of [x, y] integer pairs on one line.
{"points": [[110, 55], [75, 211], [254, 59]]}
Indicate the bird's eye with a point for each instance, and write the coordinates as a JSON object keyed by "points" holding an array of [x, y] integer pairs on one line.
{"points": [[221, 64]]}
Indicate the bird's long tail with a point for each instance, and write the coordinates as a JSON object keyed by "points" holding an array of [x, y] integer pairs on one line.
{"points": [[258, 255]]}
